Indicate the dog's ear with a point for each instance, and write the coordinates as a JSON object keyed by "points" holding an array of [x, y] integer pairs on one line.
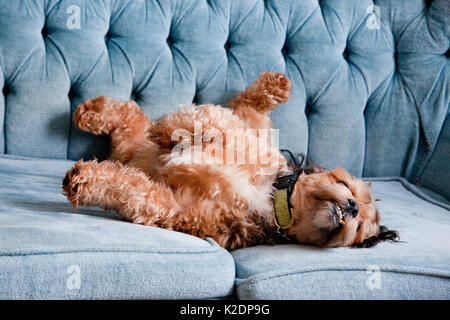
{"points": [[383, 234], [311, 169]]}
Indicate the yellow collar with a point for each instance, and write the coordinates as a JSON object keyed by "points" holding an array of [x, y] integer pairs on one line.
{"points": [[282, 216]]}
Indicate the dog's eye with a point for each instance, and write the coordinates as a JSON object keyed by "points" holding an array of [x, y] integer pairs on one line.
{"points": [[359, 227], [342, 182]]}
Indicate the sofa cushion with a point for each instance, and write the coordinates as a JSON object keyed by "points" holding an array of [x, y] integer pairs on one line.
{"points": [[418, 267], [49, 252]]}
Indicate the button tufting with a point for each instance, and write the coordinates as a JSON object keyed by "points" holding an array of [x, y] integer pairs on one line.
{"points": [[345, 53], [44, 32], [307, 109], [195, 100], [284, 50], [108, 36], [227, 45], [5, 91], [134, 96], [169, 41], [71, 94]]}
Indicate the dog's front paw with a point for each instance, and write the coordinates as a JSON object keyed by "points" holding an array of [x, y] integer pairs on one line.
{"points": [[73, 184], [91, 116]]}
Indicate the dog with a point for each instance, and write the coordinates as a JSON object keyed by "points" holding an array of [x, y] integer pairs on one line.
{"points": [[153, 177]]}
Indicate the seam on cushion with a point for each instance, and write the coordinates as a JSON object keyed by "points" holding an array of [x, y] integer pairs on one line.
{"points": [[392, 269], [377, 91], [275, 12], [302, 24], [420, 194], [230, 54], [404, 29], [331, 10], [439, 79], [123, 52], [412, 188], [213, 247], [366, 82], [389, 37], [27, 174], [326, 85], [201, 86], [48, 11], [78, 83], [187, 11], [25, 61], [137, 88], [355, 30], [27, 158], [115, 12], [236, 27], [183, 56], [213, 76], [67, 73], [204, 250]]}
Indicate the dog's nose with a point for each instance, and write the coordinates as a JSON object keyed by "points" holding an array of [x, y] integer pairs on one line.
{"points": [[352, 207]]}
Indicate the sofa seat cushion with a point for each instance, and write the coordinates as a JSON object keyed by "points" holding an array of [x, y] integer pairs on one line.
{"points": [[49, 252], [418, 267]]}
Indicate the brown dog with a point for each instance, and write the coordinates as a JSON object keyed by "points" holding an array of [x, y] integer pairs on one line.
{"points": [[181, 173]]}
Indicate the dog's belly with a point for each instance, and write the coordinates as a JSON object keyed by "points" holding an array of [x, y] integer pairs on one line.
{"points": [[219, 158], [241, 187], [253, 189]]}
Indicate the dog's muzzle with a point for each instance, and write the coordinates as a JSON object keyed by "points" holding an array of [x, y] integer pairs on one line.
{"points": [[351, 208]]}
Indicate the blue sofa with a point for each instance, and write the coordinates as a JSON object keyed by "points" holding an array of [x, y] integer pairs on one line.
{"points": [[371, 91]]}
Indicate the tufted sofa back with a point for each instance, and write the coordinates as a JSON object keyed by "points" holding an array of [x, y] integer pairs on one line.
{"points": [[370, 78]]}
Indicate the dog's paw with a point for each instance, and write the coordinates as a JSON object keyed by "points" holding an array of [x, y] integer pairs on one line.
{"points": [[276, 87], [91, 116], [74, 183]]}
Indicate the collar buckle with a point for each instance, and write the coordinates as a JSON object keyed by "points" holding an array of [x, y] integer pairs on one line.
{"points": [[282, 234]]}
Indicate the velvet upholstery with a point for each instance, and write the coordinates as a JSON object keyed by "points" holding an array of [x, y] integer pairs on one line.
{"points": [[370, 92]]}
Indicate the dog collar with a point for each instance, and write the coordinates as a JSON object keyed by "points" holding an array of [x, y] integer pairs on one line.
{"points": [[283, 216]]}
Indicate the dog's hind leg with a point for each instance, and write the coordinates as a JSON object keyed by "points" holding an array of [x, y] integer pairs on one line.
{"points": [[124, 122], [264, 95], [139, 199], [127, 190]]}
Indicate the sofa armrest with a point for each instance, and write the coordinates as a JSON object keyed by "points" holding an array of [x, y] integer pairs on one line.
{"points": [[436, 175], [2, 112]]}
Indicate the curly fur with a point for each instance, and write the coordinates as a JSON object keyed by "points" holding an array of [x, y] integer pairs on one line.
{"points": [[230, 202]]}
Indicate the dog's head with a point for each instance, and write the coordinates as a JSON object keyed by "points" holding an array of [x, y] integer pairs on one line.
{"points": [[334, 209]]}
